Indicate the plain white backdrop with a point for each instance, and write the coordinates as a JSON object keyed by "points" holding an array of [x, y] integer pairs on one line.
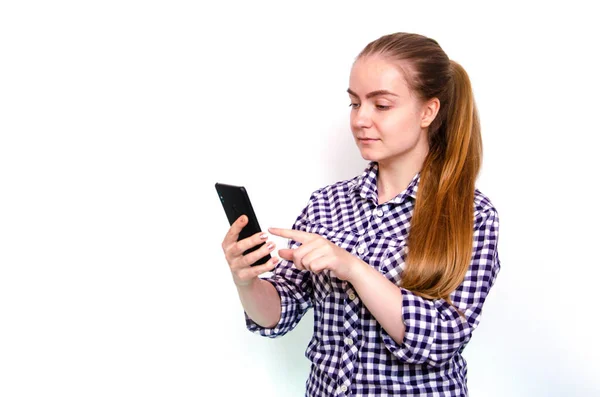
{"points": [[117, 118]]}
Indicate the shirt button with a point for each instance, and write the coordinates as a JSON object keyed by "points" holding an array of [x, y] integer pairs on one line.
{"points": [[351, 296], [344, 388], [349, 342], [379, 213], [361, 250]]}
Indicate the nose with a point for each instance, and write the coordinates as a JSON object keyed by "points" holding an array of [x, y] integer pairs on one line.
{"points": [[361, 118]]}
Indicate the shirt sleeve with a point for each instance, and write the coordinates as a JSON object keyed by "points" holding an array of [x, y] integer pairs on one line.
{"points": [[435, 331], [294, 288]]}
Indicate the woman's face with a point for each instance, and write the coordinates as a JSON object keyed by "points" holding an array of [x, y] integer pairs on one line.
{"points": [[388, 121]]}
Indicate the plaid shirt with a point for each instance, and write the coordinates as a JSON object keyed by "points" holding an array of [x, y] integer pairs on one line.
{"points": [[351, 354]]}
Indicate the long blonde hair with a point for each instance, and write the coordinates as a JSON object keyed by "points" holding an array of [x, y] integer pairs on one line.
{"points": [[440, 241]]}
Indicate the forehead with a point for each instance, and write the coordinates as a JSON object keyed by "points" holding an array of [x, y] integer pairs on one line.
{"points": [[374, 73]]}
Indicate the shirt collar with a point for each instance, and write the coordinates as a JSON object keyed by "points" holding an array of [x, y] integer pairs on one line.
{"points": [[366, 185]]}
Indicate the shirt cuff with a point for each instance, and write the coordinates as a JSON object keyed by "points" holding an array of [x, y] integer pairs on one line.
{"points": [[287, 310], [419, 317]]}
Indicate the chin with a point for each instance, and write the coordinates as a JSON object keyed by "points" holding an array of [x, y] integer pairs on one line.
{"points": [[369, 155]]}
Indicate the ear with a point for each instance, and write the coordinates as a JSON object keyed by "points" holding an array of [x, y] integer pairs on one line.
{"points": [[430, 109]]}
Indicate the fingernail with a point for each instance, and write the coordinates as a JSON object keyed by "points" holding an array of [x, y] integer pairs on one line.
{"points": [[270, 246], [264, 236]]}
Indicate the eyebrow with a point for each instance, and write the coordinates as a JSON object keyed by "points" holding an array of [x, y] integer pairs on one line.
{"points": [[373, 93]]}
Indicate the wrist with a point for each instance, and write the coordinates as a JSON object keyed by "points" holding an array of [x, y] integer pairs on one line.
{"points": [[246, 284], [358, 271]]}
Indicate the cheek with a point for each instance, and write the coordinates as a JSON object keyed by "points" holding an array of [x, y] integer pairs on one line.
{"points": [[403, 128], [399, 123]]}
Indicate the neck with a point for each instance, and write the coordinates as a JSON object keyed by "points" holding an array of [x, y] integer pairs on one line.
{"points": [[396, 173]]}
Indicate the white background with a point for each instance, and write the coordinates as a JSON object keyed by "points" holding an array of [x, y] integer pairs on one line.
{"points": [[117, 118]]}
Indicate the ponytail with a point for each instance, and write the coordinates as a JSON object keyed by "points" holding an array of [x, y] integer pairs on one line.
{"points": [[441, 236]]}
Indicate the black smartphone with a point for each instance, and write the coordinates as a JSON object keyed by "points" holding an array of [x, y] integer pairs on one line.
{"points": [[236, 203]]}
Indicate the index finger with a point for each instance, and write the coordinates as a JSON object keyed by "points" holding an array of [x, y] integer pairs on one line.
{"points": [[235, 229], [297, 235]]}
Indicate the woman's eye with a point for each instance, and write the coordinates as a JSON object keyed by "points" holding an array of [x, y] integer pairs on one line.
{"points": [[382, 107], [354, 105]]}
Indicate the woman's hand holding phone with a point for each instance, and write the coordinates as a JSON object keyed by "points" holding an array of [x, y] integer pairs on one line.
{"points": [[239, 264]]}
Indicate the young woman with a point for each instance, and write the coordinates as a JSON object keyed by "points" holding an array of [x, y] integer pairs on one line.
{"points": [[396, 262]]}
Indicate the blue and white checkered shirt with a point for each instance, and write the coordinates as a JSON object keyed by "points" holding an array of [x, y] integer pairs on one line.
{"points": [[351, 354]]}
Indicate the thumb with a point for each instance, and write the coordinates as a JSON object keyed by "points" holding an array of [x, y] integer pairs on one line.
{"points": [[286, 254]]}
